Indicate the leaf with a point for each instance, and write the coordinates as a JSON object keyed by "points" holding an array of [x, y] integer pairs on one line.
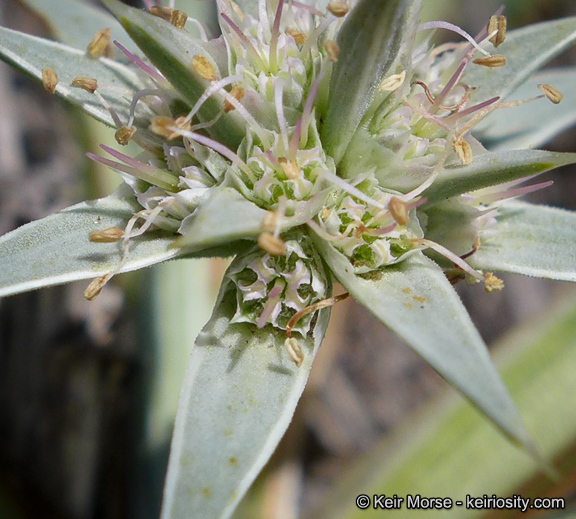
{"points": [[376, 36], [75, 22], [57, 249], [530, 239], [487, 169], [415, 300], [239, 395], [172, 51], [526, 50], [532, 124], [31, 54], [224, 217], [448, 450]]}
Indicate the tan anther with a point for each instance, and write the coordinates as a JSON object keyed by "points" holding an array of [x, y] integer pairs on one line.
{"points": [[332, 50], [290, 168], [161, 12], [299, 37], [204, 68], [463, 150], [124, 134], [99, 46], [110, 235], [238, 93], [497, 23], [294, 350], [178, 19], [270, 221], [272, 245], [85, 83], [399, 210], [551, 93], [325, 213], [492, 283], [49, 79], [162, 125], [392, 82], [495, 61], [95, 287], [338, 8]]}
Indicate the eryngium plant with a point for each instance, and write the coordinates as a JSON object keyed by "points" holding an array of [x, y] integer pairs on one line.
{"points": [[315, 142]]}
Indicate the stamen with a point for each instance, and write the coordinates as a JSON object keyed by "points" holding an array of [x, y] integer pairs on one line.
{"points": [[492, 283], [290, 168], [308, 8], [294, 350], [124, 134], [247, 44], [399, 210], [271, 244], [238, 92], [111, 110], [551, 93], [312, 308], [497, 28], [448, 254], [341, 183], [210, 91], [145, 93], [463, 150], [338, 8], [494, 61], [453, 28], [274, 39], [393, 82], [110, 235], [100, 44], [299, 37], [332, 50], [164, 126], [174, 16], [204, 68], [153, 73], [49, 79], [96, 286], [85, 83]]}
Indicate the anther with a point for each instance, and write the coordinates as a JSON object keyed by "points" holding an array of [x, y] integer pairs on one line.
{"points": [[163, 125], [551, 93], [110, 235], [299, 37], [270, 221], [204, 68], [463, 150], [124, 134], [392, 82], [497, 24], [399, 210], [492, 283], [290, 168], [95, 287], [49, 79], [294, 350], [85, 83], [494, 61], [332, 50], [238, 93], [272, 245], [100, 44], [338, 8]]}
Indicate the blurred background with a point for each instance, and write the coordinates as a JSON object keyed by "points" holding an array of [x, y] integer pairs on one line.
{"points": [[88, 391]]}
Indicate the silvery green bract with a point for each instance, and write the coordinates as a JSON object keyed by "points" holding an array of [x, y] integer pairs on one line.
{"points": [[315, 144]]}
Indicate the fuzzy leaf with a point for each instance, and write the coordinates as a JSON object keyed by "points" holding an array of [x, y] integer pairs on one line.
{"points": [[75, 22], [57, 248], [532, 240], [526, 50], [172, 51], [31, 54], [414, 299], [375, 38], [224, 217], [239, 395], [532, 124], [487, 169]]}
